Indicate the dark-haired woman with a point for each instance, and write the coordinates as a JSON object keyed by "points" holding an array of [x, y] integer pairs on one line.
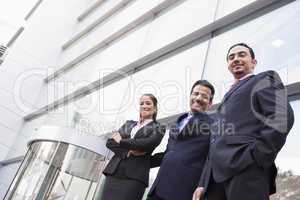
{"points": [[127, 173]]}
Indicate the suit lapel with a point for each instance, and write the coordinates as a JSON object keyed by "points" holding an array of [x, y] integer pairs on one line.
{"points": [[188, 125], [129, 127], [178, 122], [174, 129], [192, 124], [235, 88], [142, 130]]}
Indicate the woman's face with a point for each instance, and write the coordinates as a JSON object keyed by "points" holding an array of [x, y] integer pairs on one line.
{"points": [[147, 108]]}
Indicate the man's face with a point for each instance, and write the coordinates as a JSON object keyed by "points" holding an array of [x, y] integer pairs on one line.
{"points": [[240, 62], [200, 98]]}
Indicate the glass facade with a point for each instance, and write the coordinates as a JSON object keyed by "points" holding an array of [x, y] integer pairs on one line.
{"points": [[55, 170], [177, 22], [62, 171], [227, 6], [119, 101], [273, 39], [109, 27], [288, 158]]}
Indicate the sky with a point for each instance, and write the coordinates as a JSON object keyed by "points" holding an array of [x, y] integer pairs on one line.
{"points": [[12, 14]]}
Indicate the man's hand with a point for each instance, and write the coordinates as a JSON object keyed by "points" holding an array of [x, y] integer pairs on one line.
{"points": [[117, 137], [136, 153], [198, 193]]}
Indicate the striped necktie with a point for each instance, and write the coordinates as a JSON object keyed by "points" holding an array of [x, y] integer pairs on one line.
{"points": [[184, 122]]}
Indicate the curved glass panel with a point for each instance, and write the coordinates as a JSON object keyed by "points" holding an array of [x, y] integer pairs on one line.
{"points": [[53, 170]]}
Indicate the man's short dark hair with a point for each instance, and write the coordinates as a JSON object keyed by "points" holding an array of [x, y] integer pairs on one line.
{"points": [[244, 45], [206, 84]]}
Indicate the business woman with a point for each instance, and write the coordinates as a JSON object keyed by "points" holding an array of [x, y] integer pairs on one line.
{"points": [[127, 173]]}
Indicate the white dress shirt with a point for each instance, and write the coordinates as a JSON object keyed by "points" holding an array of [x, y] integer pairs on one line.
{"points": [[236, 81], [138, 126]]}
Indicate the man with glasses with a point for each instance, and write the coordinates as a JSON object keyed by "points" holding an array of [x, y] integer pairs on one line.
{"points": [[184, 158]]}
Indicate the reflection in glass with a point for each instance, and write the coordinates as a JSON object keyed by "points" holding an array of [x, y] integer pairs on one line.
{"points": [[288, 158], [228, 6], [53, 170], [179, 23], [274, 40]]}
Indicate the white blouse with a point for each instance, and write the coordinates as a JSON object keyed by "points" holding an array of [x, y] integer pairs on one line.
{"points": [[138, 126]]}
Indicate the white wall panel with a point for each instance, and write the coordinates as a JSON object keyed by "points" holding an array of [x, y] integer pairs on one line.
{"points": [[10, 119], [20, 71], [3, 148], [111, 26], [7, 174], [38, 48], [178, 22], [95, 14], [18, 148], [8, 101], [7, 32], [62, 116], [124, 52], [106, 109], [30, 127], [45, 31], [7, 138], [114, 57], [3, 188], [12, 17]]}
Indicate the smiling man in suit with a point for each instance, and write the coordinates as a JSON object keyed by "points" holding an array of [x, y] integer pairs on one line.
{"points": [[240, 164], [184, 158]]}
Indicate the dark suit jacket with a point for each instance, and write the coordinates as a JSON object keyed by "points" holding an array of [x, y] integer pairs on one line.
{"points": [[134, 167], [182, 162], [254, 119]]}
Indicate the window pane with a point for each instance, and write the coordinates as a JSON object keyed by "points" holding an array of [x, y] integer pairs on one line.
{"points": [[228, 6], [169, 80], [288, 158], [109, 27], [274, 40], [95, 14], [178, 22]]}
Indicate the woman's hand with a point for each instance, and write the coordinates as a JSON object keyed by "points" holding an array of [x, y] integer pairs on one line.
{"points": [[136, 153], [117, 137]]}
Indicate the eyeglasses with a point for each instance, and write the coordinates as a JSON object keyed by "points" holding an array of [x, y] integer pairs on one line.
{"points": [[202, 95]]}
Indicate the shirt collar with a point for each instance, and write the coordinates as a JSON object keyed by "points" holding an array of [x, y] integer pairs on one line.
{"points": [[145, 122], [190, 114], [246, 76]]}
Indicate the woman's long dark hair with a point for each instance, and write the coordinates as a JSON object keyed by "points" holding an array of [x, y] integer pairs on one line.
{"points": [[154, 101]]}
